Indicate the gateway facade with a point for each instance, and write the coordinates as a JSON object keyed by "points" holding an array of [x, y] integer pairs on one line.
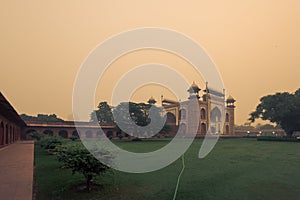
{"points": [[211, 109]]}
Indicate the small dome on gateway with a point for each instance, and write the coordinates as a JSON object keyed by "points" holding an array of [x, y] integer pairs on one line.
{"points": [[151, 100], [194, 85], [194, 88], [230, 99]]}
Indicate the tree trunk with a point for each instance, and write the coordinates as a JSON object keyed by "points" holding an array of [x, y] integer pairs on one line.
{"points": [[88, 182]]}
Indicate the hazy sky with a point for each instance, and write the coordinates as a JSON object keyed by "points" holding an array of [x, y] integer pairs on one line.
{"points": [[255, 44]]}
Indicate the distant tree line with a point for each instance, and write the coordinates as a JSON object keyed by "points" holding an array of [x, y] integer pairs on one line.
{"points": [[41, 117], [257, 127]]}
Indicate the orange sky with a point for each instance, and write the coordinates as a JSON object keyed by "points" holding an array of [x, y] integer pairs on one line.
{"points": [[255, 45]]}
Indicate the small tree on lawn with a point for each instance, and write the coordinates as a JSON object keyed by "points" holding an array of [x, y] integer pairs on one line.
{"points": [[50, 142], [77, 158], [36, 135]]}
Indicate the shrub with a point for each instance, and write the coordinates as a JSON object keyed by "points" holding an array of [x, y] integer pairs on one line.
{"points": [[120, 136], [136, 139], [50, 142], [273, 138], [36, 135], [73, 137], [76, 157]]}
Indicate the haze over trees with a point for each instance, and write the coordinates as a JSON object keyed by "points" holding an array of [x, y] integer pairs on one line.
{"points": [[103, 115], [41, 117], [139, 113], [257, 127], [280, 108]]}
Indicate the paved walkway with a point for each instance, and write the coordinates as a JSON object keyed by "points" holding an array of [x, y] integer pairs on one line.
{"points": [[16, 171]]}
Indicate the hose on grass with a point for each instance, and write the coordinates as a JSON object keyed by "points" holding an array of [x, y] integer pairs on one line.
{"points": [[179, 176]]}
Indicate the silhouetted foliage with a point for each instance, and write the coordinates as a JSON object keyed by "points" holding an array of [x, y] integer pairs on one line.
{"points": [[103, 115], [74, 137], [41, 117], [139, 114], [280, 108], [50, 142], [36, 135]]}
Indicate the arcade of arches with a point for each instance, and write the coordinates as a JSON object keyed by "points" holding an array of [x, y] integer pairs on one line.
{"points": [[9, 131], [10, 123], [67, 129]]}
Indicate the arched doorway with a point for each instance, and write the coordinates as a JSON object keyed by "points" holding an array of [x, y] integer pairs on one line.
{"points": [[119, 134], [215, 119], [63, 134], [13, 134], [215, 115], [109, 134], [203, 114], [27, 134], [227, 117], [6, 134], [75, 134], [171, 119], [10, 135], [203, 128], [1, 134], [48, 132], [227, 130]]}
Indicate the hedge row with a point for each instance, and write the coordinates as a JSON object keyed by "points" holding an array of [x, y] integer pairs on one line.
{"points": [[280, 139]]}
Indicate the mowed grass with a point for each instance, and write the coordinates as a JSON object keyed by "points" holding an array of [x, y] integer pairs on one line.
{"points": [[235, 169]]}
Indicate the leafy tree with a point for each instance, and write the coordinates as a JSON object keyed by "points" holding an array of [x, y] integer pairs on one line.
{"points": [[36, 135], [280, 108], [76, 157], [120, 136], [50, 142], [74, 137], [103, 115], [139, 113]]}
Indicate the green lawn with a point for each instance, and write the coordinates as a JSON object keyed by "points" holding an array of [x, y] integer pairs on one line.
{"points": [[235, 169]]}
